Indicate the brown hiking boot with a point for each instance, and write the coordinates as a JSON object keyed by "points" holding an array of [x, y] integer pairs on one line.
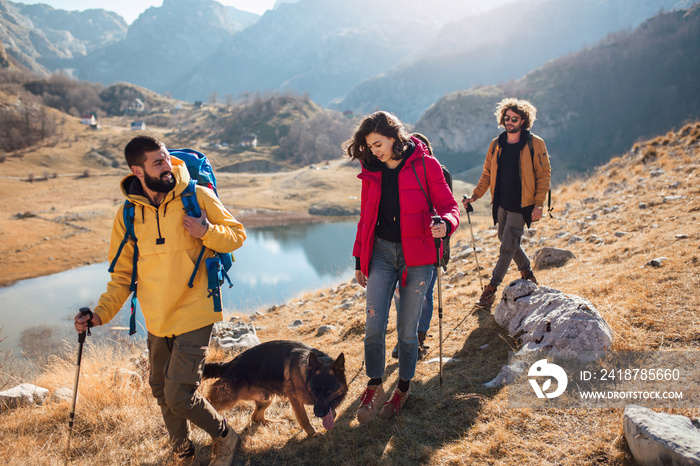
{"points": [[488, 296], [528, 275], [373, 395], [392, 407]]}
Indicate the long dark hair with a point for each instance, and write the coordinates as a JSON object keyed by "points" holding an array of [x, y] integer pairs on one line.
{"points": [[383, 123]]}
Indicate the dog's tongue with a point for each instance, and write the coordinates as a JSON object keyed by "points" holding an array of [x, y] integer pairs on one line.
{"points": [[329, 420]]}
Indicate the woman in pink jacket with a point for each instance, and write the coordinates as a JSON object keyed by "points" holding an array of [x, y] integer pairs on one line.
{"points": [[401, 181]]}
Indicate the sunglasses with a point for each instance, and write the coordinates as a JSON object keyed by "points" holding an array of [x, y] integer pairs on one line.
{"points": [[514, 119]]}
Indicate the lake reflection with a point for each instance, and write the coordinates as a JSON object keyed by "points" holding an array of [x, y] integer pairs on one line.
{"points": [[274, 265]]}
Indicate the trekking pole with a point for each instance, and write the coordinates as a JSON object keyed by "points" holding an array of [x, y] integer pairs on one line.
{"points": [[469, 208], [81, 339], [436, 221]]}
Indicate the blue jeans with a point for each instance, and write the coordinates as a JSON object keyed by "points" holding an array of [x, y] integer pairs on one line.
{"points": [[385, 269], [426, 312]]}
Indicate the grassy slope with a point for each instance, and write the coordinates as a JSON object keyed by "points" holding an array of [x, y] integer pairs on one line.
{"points": [[462, 422]]}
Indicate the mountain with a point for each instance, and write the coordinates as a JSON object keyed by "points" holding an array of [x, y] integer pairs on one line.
{"points": [[4, 60], [591, 105], [38, 36], [323, 47], [163, 45], [319, 46], [495, 46], [78, 31]]}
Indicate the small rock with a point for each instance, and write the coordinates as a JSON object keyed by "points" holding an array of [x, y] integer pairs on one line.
{"points": [[324, 329], [658, 262], [61, 395], [296, 323], [552, 257], [643, 205], [620, 234], [682, 236], [656, 172], [575, 239], [668, 199]]}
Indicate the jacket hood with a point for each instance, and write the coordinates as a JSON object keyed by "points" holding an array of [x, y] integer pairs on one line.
{"points": [[415, 149], [133, 190]]}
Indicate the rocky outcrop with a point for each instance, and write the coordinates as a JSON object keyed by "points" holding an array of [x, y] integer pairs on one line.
{"points": [[544, 318], [23, 395], [333, 210], [660, 438]]}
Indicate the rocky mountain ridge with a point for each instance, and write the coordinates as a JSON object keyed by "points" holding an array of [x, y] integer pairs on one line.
{"points": [[496, 46], [39, 36], [591, 105]]}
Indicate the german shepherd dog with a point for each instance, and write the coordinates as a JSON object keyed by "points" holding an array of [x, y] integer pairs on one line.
{"points": [[305, 375]]}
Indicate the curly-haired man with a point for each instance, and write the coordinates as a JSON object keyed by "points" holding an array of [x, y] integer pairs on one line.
{"points": [[518, 173]]}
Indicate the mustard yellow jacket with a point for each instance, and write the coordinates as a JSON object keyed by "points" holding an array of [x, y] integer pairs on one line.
{"points": [[169, 306], [534, 178]]}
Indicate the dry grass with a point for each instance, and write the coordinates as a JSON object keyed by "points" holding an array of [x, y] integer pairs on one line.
{"points": [[461, 422]]}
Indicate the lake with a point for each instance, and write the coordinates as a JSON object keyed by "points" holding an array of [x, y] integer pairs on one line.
{"points": [[274, 265]]}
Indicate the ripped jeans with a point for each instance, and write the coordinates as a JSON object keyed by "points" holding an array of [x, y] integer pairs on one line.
{"points": [[385, 269]]}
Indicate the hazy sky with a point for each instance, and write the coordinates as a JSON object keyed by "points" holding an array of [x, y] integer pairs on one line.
{"points": [[131, 9]]}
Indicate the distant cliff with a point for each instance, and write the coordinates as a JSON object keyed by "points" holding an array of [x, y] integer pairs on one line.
{"points": [[591, 105], [496, 46]]}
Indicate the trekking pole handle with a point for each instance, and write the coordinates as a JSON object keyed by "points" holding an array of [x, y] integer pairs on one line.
{"points": [[85, 311], [469, 207]]}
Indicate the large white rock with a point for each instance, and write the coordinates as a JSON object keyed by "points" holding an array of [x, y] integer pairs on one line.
{"points": [[660, 438], [23, 395], [542, 318]]}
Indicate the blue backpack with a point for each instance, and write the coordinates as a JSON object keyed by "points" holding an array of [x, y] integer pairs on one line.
{"points": [[201, 173]]}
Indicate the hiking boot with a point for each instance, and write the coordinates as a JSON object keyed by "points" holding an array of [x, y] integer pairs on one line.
{"points": [[488, 296], [528, 275], [183, 454], [225, 447], [373, 395], [392, 407]]}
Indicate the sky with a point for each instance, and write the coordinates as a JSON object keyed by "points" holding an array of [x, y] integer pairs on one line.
{"points": [[131, 9]]}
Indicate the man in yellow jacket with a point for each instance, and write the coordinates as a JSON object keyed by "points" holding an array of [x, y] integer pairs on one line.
{"points": [[179, 319], [518, 174]]}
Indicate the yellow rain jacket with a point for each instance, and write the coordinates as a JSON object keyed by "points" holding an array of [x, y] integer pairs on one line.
{"points": [[166, 258]]}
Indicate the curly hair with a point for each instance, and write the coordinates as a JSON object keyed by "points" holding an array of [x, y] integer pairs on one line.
{"points": [[525, 109], [384, 123]]}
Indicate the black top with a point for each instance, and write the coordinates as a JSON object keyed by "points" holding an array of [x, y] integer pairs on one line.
{"points": [[389, 216], [508, 184]]}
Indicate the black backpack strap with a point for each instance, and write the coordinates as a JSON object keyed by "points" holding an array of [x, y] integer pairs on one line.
{"points": [[413, 165], [532, 155]]}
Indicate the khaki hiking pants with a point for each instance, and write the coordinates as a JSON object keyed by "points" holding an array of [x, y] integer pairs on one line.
{"points": [[176, 371], [511, 226]]}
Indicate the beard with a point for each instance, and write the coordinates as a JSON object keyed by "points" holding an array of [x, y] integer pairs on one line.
{"points": [[158, 184], [513, 129]]}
